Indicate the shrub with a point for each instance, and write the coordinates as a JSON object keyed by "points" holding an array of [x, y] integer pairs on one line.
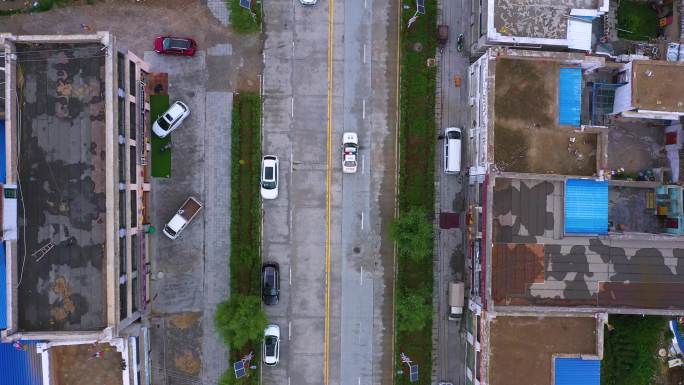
{"points": [[414, 312], [413, 234], [240, 320]]}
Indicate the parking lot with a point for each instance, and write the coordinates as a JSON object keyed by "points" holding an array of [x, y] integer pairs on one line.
{"points": [[190, 274]]}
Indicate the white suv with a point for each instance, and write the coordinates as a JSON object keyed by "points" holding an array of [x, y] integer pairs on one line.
{"points": [[271, 345], [171, 119]]}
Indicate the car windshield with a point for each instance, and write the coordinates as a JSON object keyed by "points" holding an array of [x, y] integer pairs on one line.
{"points": [[349, 163], [176, 44], [268, 185], [168, 230], [271, 345], [454, 135], [163, 123]]}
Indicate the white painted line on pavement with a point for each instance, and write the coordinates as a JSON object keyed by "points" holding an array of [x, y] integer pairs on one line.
{"points": [[364, 108], [288, 381], [361, 220], [289, 333], [365, 5], [359, 380], [364, 54], [290, 275], [361, 277], [292, 108]]}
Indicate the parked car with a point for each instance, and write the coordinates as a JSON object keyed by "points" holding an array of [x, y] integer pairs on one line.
{"points": [[269, 177], [350, 147], [452, 150], [185, 214], [270, 283], [171, 119], [271, 345], [170, 45]]}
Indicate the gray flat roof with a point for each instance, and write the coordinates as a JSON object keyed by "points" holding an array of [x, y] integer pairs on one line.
{"points": [[61, 174], [533, 264]]}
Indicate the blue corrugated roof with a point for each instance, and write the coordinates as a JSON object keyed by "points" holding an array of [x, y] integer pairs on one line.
{"points": [[20, 366], [586, 206], [576, 371], [569, 96]]}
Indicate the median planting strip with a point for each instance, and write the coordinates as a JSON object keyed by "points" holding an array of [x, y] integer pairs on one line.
{"points": [[413, 229], [161, 149], [241, 320]]}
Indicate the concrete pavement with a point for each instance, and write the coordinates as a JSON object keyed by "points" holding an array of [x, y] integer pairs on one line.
{"points": [[295, 120], [452, 110]]}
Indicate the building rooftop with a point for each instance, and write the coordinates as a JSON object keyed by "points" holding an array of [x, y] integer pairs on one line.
{"points": [[524, 358], [648, 78], [86, 364], [533, 263], [61, 174], [536, 18], [527, 133]]}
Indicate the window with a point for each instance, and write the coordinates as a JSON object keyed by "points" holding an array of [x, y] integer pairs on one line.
{"points": [[133, 114], [123, 301], [135, 291], [134, 209], [122, 115], [131, 73], [122, 164], [121, 70], [132, 158], [135, 252], [122, 256], [122, 209]]}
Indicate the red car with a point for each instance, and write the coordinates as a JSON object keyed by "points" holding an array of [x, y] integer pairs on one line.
{"points": [[175, 45]]}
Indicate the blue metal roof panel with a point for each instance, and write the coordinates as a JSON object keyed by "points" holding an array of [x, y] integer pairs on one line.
{"points": [[20, 366], [570, 96], [586, 206], [576, 371], [3, 289]]}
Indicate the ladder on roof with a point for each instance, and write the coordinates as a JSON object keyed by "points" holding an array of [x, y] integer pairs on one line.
{"points": [[38, 255]]}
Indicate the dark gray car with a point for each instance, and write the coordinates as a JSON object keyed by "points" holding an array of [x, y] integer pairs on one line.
{"points": [[270, 283]]}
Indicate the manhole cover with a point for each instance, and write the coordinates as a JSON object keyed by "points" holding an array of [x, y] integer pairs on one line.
{"points": [[357, 250]]}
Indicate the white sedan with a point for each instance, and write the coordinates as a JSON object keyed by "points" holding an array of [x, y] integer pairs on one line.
{"points": [[271, 345], [269, 177], [171, 119], [350, 145]]}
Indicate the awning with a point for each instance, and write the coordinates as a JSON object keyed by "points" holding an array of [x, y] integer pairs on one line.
{"points": [[586, 206], [577, 371], [570, 96]]}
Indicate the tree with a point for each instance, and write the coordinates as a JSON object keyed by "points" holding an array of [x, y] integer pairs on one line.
{"points": [[240, 320], [413, 312], [413, 234]]}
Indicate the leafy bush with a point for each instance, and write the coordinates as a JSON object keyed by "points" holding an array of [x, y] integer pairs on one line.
{"points": [[240, 320], [414, 312], [630, 349], [413, 234], [244, 20]]}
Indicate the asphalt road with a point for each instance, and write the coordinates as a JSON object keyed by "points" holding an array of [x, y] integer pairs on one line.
{"points": [[449, 343], [296, 122]]}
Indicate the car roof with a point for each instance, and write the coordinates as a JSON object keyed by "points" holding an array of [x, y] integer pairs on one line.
{"points": [[180, 42], [176, 222], [269, 161]]}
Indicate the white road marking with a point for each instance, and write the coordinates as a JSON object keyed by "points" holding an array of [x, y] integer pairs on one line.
{"points": [[365, 5], [289, 335], [288, 380], [364, 109], [292, 108], [290, 275], [359, 380], [361, 220], [364, 53], [361, 277]]}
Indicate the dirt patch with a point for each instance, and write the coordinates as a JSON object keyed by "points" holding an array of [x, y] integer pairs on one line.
{"points": [[86, 364], [66, 305], [185, 320], [129, 21], [526, 131], [519, 356], [187, 363]]}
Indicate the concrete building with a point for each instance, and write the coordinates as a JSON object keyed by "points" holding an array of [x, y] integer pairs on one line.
{"points": [[551, 24], [575, 207], [76, 150]]}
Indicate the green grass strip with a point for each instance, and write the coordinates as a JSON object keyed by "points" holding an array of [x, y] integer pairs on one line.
{"points": [[245, 227], [245, 20], [161, 160], [417, 140]]}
